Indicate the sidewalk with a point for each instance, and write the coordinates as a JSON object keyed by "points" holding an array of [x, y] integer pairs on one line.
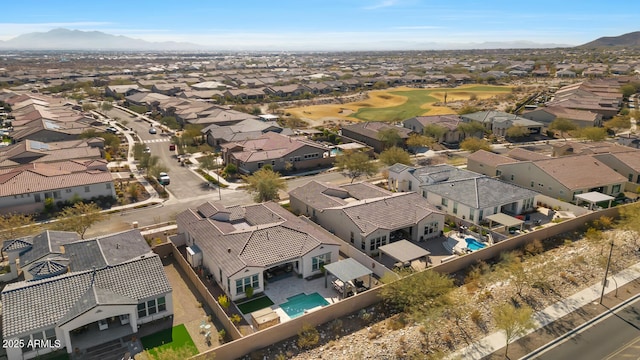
{"points": [[193, 158], [496, 341]]}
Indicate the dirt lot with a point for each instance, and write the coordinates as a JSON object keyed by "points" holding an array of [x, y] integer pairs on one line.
{"points": [[186, 307]]}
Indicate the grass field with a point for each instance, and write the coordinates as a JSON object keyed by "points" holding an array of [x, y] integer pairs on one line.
{"points": [[176, 338], [255, 305], [399, 104]]}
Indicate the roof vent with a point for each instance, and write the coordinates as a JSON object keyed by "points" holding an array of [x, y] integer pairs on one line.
{"points": [[229, 250]]}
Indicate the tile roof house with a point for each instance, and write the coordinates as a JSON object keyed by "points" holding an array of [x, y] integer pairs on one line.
{"points": [[23, 189], [462, 193], [240, 243], [448, 122], [624, 163], [582, 118], [283, 153], [560, 178], [45, 130], [367, 216], [31, 151], [368, 133], [83, 293], [499, 122], [244, 130]]}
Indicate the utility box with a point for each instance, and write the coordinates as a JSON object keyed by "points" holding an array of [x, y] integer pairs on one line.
{"points": [[194, 256]]}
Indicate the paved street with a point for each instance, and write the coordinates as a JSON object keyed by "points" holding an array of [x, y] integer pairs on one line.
{"points": [[615, 337]]}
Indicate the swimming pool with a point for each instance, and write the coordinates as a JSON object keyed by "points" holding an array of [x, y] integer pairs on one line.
{"points": [[473, 244], [297, 304]]}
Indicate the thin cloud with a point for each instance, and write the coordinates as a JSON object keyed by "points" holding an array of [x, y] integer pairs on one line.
{"points": [[382, 4], [418, 27]]}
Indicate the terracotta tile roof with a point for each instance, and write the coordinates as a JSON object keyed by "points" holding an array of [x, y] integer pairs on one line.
{"points": [[270, 146], [40, 177], [489, 158]]}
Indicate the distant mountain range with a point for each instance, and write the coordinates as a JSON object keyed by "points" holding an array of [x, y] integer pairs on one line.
{"points": [[631, 39], [65, 39]]}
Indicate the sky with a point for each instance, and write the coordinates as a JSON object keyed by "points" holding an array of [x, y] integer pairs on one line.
{"points": [[330, 24]]}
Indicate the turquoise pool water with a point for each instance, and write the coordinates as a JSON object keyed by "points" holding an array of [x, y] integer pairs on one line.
{"points": [[473, 244], [335, 152], [297, 304]]}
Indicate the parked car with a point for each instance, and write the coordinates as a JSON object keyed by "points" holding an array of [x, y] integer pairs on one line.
{"points": [[147, 150], [111, 130], [164, 179], [153, 131], [172, 147]]}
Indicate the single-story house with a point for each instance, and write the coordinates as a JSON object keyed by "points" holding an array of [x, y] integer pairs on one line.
{"points": [[95, 291], [282, 152], [499, 122], [451, 134], [24, 189], [582, 118], [241, 244], [368, 133], [367, 216]]}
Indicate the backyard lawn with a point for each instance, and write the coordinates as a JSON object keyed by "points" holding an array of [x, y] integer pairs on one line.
{"points": [[176, 339], [255, 304]]}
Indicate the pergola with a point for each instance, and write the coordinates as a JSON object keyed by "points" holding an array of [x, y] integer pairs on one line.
{"points": [[504, 219], [593, 198], [404, 251], [346, 270]]}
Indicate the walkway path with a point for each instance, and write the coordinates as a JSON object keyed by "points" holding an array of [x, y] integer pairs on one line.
{"points": [[496, 341]]}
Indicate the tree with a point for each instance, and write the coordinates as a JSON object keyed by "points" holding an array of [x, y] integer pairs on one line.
{"points": [[563, 125], [14, 226], [471, 128], [79, 218], [514, 321], [628, 90], [593, 133], [435, 131], [354, 164], [474, 144], [419, 294], [106, 106], [389, 137], [618, 123], [208, 162], [511, 266], [515, 132], [265, 184], [394, 155], [417, 141], [230, 171], [138, 150]]}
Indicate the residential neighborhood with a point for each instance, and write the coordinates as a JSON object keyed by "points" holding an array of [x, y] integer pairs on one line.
{"points": [[244, 199]]}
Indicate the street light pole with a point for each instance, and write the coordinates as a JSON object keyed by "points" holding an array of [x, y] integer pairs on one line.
{"points": [[606, 272]]}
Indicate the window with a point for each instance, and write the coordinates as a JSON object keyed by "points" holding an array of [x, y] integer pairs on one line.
{"points": [[249, 281], [480, 214], [471, 213], [495, 210], [50, 334], [430, 228], [57, 195], [108, 187], [260, 165], [24, 341], [151, 307], [410, 183], [68, 191], [351, 237], [273, 162], [87, 189], [363, 244], [377, 242], [615, 189], [444, 202], [37, 198], [630, 177], [455, 207], [318, 261], [498, 172], [533, 183], [512, 177]]}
